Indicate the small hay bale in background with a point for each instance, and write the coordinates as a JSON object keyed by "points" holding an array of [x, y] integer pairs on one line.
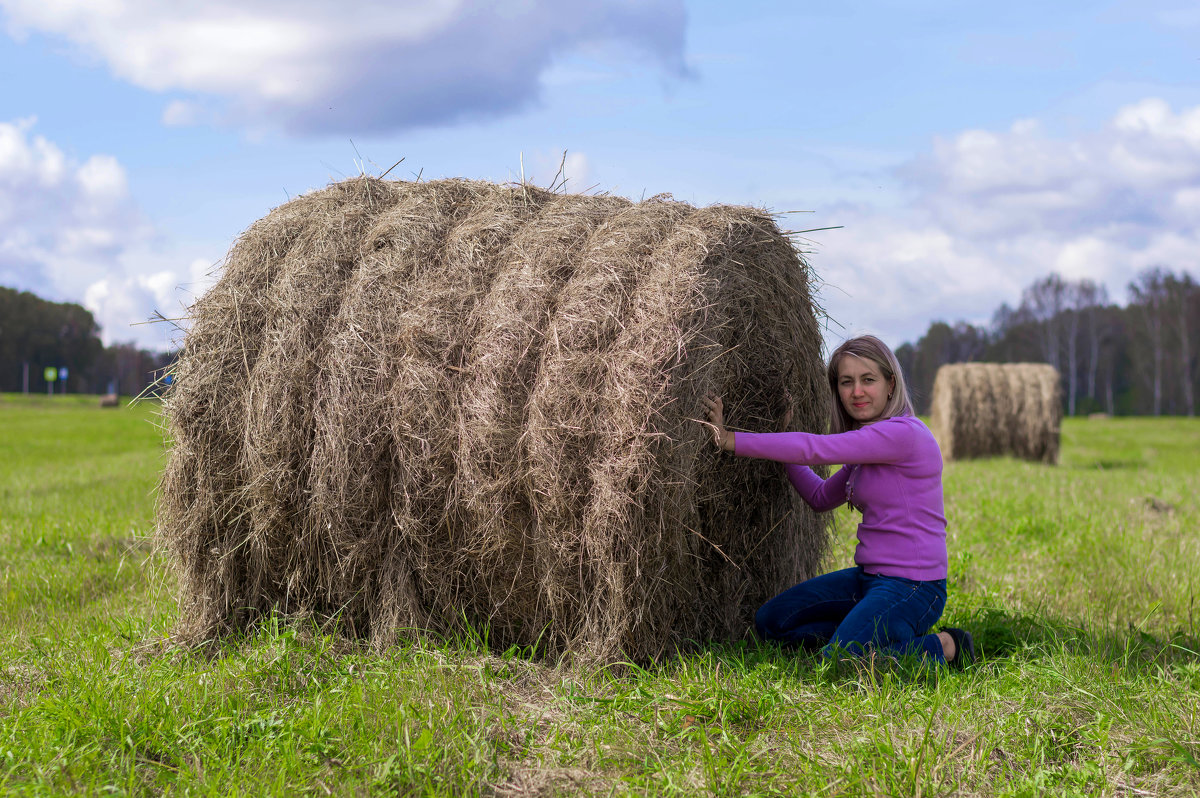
{"points": [[417, 406], [993, 409], [110, 400]]}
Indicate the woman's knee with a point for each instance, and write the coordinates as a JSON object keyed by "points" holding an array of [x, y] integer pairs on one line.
{"points": [[816, 601], [778, 620], [766, 624]]}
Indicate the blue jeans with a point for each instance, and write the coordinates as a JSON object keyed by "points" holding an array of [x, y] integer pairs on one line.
{"points": [[855, 611]]}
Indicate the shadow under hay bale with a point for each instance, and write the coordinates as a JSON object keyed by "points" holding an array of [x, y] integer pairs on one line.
{"points": [[419, 406], [994, 409]]}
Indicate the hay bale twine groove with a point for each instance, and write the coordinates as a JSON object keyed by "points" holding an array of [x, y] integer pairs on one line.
{"points": [[421, 406], [994, 409]]}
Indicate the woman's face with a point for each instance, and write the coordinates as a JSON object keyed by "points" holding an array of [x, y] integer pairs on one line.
{"points": [[863, 390]]}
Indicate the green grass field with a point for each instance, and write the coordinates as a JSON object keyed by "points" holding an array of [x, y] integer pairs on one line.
{"points": [[1081, 582]]}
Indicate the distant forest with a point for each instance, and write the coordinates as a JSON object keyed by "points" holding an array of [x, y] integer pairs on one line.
{"points": [[1140, 359], [36, 335]]}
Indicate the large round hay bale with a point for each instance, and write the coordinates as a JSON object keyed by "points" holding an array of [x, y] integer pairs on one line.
{"points": [[993, 409], [423, 406]]}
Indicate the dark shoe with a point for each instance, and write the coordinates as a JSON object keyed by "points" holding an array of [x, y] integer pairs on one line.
{"points": [[964, 647]]}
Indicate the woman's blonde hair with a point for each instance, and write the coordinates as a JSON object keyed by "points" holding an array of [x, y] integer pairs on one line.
{"points": [[869, 348]]}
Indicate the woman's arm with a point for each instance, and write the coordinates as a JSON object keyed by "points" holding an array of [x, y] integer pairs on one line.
{"points": [[882, 442], [887, 441], [820, 494]]}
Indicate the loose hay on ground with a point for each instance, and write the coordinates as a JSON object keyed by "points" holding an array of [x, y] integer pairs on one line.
{"points": [[420, 406]]}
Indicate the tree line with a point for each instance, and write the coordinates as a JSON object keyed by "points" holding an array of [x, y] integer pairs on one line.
{"points": [[36, 334], [1140, 359]]}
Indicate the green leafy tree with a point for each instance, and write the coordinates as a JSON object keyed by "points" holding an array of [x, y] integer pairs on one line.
{"points": [[35, 334]]}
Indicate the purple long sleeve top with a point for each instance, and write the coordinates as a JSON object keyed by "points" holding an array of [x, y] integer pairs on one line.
{"points": [[892, 473]]}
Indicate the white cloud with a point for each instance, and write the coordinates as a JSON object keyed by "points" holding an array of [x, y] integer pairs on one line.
{"points": [[181, 113], [363, 66], [1186, 203], [28, 161], [124, 304], [992, 211], [58, 213], [103, 179], [70, 232]]}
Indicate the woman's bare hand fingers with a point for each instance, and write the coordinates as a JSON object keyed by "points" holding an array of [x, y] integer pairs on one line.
{"points": [[714, 412], [715, 415]]}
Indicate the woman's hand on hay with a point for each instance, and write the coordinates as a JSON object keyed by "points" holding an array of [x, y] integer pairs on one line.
{"points": [[714, 409]]}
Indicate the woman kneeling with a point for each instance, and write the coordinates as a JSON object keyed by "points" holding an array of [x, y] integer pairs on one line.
{"points": [[892, 474]]}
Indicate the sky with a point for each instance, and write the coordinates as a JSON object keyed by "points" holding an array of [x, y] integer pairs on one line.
{"points": [[959, 151]]}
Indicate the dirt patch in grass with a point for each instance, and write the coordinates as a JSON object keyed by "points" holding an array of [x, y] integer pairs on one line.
{"points": [[19, 684]]}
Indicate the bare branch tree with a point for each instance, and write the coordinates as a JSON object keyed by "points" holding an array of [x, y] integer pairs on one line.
{"points": [[1081, 297], [1043, 303], [1148, 304], [1182, 292], [1096, 334]]}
